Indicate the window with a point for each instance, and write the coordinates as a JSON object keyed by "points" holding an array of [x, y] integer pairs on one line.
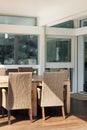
{"points": [[83, 22], [58, 50], [68, 24], [18, 49], [18, 20]]}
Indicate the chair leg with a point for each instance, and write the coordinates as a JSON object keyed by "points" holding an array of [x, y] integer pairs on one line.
{"points": [[63, 112], [9, 117], [43, 113], [2, 111], [30, 114]]}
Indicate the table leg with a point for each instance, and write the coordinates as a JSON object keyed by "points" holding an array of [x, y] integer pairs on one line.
{"points": [[68, 97], [34, 99]]}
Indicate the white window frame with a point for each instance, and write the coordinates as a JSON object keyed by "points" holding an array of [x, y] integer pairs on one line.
{"points": [[62, 64]]}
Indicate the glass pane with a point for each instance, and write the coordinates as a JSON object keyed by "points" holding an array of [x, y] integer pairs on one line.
{"points": [[18, 49], [83, 22], [18, 20], [58, 50], [68, 24], [6, 50]]}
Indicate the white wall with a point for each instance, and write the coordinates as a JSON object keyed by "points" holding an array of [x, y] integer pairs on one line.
{"points": [[47, 11], [65, 10]]}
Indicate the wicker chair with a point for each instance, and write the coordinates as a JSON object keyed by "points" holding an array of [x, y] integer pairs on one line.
{"points": [[18, 95], [66, 71], [52, 91], [0, 102], [2, 73], [54, 69], [25, 69], [11, 70]]}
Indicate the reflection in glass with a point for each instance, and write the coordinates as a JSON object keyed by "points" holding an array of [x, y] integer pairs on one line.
{"points": [[18, 49], [67, 24], [83, 22], [58, 50], [18, 20]]}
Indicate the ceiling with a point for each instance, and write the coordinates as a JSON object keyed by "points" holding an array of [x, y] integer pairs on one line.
{"points": [[47, 11]]}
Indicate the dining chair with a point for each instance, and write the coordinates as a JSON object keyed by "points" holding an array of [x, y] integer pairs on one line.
{"points": [[66, 71], [25, 69], [52, 91], [2, 73], [11, 70], [54, 69], [0, 102], [18, 95]]}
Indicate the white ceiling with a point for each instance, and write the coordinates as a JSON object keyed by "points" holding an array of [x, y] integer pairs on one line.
{"points": [[47, 11]]}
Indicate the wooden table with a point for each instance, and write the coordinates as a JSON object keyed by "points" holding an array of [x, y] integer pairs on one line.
{"points": [[36, 81]]}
